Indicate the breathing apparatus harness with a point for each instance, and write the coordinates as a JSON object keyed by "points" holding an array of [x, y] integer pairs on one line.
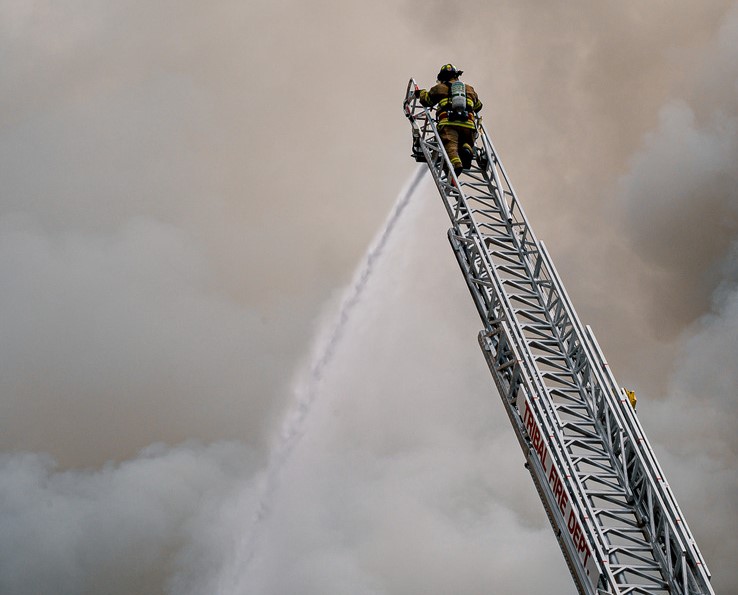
{"points": [[458, 111]]}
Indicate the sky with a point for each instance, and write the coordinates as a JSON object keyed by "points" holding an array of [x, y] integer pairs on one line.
{"points": [[189, 191]]}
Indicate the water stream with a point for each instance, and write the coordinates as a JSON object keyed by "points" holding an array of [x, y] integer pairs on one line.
{"points": [[306, 394]]}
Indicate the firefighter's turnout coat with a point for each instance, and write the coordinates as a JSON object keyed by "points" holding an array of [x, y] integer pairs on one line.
{"points": [[441, 94]]}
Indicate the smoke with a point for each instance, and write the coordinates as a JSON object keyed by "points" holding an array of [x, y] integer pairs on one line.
{"points": [[695, 429], [186, 185], [122, 528], [682, 208], [116, 338], [681, 198]]}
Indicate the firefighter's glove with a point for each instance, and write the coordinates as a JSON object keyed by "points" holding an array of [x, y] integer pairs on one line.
{"points": [[417, 93]]}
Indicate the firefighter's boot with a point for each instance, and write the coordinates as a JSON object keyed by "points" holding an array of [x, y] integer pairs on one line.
{"points": [[467, 154]]}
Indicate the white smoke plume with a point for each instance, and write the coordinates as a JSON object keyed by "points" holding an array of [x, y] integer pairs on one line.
{"points": [[308, 389], [126, 528]]}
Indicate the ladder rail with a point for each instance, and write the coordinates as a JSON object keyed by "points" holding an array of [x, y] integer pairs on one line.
{"points": [[675, 534], [651, 462]]}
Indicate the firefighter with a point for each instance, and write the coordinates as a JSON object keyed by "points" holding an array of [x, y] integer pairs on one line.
{"points": [[458, 105]]}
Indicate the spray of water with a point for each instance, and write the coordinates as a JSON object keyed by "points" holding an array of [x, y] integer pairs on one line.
{"points": [[306, 394]]}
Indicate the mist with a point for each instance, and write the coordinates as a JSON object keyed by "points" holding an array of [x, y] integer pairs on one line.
{"points": [[187, 192]]}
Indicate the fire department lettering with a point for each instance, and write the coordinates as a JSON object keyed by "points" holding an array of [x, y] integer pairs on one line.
{"points": [[558, 488]]}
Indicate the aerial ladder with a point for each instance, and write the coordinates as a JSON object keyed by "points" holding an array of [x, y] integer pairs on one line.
{"points": [[611, 509]]}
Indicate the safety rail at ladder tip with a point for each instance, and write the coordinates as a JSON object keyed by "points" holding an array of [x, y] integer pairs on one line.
{"points": [[613, 513]]}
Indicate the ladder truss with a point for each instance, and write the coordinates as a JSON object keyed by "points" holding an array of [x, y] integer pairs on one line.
{"points": [[612, 511]]}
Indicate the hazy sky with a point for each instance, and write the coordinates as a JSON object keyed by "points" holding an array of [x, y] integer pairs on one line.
{"points": [[187, 190]]}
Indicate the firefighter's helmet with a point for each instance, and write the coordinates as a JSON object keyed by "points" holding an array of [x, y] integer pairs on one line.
{"points": [[448, 72]]}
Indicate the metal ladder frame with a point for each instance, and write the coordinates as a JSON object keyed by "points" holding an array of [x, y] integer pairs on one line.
{"points": [[614, 515]]}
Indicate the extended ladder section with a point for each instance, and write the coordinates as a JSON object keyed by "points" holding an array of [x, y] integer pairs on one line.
{"points": [[613, 513]]}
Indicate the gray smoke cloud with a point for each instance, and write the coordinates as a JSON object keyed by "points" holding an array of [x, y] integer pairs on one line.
{"points": [[121, 528], [186, 188], [682, 207]]}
